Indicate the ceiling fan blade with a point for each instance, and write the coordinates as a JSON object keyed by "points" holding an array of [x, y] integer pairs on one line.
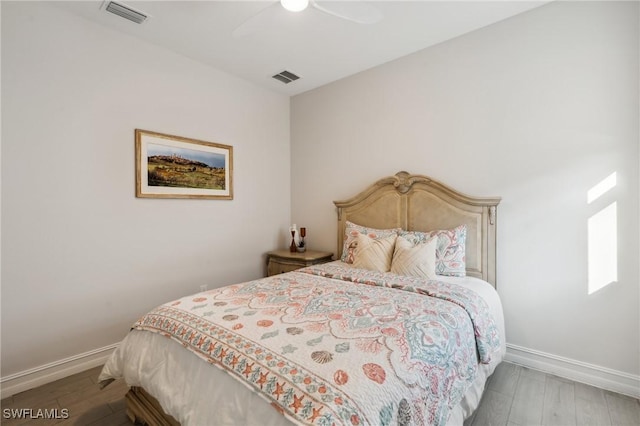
{"points": [[258, 22], [354, 11]]}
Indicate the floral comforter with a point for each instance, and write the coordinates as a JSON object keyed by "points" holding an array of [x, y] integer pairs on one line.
{"points": [[337, 345]]}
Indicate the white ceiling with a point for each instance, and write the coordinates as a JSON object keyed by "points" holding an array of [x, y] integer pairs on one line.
{"points": [[318, 47]]}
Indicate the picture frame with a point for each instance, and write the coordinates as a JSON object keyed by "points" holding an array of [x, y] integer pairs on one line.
{"points": [[169, 166]]}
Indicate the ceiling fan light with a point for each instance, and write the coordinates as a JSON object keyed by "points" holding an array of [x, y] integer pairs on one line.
{"points": [[294, 5]]}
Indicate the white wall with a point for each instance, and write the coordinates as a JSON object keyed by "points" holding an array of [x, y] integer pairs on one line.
{"points": [[82, 257], [536, 109]]}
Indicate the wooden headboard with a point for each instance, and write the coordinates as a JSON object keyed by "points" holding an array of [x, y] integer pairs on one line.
{"points": [[419, 203]]}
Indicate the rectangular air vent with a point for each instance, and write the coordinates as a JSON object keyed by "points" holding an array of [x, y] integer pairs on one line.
{"points": [[286, 77], [126, 12]]}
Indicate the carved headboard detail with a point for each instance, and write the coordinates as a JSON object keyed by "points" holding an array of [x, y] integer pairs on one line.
{"points": [[419, 203]]}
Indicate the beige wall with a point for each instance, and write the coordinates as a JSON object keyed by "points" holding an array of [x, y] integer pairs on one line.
{"points": [[536, 109], [82, 258]]}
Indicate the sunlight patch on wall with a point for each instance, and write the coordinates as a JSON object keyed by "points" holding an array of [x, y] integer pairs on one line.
{"points": [[602, 231], [601, 188]]}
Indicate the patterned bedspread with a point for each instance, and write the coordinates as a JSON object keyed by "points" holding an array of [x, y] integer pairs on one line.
{"points": [[337, 345]]}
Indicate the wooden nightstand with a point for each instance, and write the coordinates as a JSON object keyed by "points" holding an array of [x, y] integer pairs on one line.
{"points": [[281, 261]]}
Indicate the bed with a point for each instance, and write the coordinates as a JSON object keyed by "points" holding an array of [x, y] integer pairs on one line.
{"points": [[336, 343]]}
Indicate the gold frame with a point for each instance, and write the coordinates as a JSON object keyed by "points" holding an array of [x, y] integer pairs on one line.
{"points": [[195, 147]]}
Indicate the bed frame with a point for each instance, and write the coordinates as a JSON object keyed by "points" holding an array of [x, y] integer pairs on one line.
{"points": [[419, 203], [142, 408], [410, 202]]}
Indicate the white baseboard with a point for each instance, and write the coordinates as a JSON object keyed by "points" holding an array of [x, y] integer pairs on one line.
{"points": [[602, 377], [38, 376]]}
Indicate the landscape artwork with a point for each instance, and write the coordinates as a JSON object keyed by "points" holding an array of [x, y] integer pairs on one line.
{"points": [[177, 167]]}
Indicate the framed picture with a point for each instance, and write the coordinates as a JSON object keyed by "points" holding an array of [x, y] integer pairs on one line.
{"points": [[175, 167]]}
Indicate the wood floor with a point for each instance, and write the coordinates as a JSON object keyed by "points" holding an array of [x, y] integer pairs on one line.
{"points": [[80, 394], [517, 395], [514, 396]]}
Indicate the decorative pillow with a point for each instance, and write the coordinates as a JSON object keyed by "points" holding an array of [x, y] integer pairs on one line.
{"points": [[351, 233], [417, 260], [450, 251], [374, 253]]}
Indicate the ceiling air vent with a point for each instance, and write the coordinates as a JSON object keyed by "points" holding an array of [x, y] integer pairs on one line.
{"points": [[125, 12], [286, 77]]}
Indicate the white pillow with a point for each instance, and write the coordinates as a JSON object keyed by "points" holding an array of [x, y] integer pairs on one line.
{"points": [[415, 260], [374, 253], [351, 233]]}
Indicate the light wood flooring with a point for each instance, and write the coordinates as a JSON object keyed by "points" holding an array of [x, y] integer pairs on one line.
{"points": [[514, 396]]}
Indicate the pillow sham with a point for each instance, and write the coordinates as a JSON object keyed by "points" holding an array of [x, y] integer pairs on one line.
{"points": [[450, 250], [415, 260], [351, 233], [374, 253]]}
